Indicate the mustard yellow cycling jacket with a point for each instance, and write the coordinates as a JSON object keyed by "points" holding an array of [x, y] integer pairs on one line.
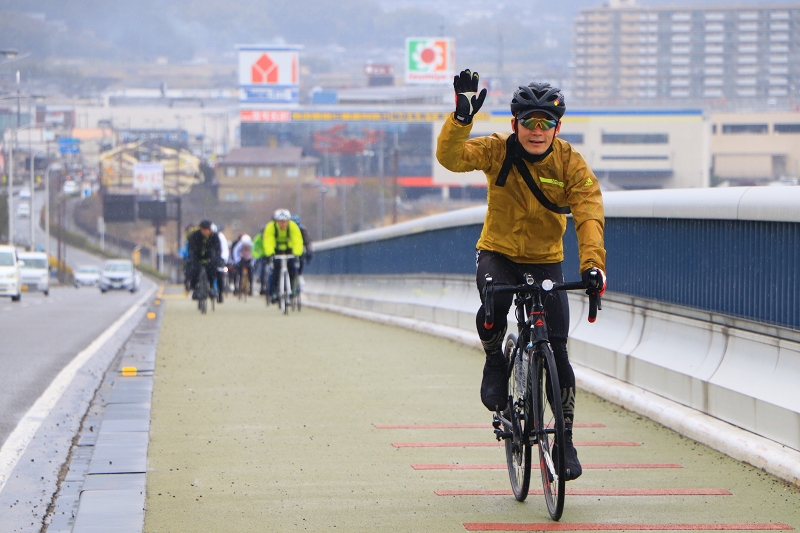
{"points": [[516, 224]]}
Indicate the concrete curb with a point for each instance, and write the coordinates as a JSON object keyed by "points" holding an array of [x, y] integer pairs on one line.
{"points": [[778, 460]]}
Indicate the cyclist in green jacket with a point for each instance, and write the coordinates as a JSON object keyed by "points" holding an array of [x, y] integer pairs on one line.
{"points": [[282, 236]]}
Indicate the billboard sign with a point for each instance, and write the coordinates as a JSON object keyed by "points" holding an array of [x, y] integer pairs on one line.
{"points": [[69, 145], [119, 208], [430, 60], [148, 178], [269, 74]]}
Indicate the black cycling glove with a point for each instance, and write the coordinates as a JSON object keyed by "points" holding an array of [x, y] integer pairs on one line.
{"points": [[595, 280], [468, 101]]}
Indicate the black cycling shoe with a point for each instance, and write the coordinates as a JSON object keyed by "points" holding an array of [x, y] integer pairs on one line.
{"points": [[494, 387], [572, 466]]}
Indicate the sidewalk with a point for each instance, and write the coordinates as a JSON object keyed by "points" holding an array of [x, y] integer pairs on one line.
{"points": [[265, 422]]}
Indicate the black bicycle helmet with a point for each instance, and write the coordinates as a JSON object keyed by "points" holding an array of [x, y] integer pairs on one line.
{"points": [[538, 97]]}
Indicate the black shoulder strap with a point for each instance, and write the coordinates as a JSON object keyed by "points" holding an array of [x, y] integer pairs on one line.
{"points": [[507, 162], [522, 168]]}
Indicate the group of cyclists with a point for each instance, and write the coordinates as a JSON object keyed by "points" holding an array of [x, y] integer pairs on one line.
{"points": [[251, 257]]}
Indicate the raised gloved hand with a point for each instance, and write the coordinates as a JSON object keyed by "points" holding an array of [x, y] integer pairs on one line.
{"points": [[468, 101], [595, 280]]}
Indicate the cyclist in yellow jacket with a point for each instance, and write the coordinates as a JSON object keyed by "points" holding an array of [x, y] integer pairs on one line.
{"points": [[534, 179], [282, 236]]}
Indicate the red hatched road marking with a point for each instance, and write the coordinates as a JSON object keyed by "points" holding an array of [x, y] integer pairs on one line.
{"points": [[489, 443], [560, 526], [461, 426], [594, 492], [589, 466]]}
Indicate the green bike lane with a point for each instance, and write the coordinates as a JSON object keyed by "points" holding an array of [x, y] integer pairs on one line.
{"points": [[319, 422]]}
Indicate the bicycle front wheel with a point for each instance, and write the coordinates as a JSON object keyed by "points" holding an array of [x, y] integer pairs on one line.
{"points": [[286, 293], [549, 429], [518, 449]]}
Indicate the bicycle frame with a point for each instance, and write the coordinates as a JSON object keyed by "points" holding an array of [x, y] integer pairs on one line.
{"points": [[534, 415]]}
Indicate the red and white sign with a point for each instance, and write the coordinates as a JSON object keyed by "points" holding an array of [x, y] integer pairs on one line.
{"points": [[265, 116], [148, 178], [430, 60], [268, 67]]}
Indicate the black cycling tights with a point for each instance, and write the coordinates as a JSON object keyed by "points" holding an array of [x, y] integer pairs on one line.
{"points": [[556, 305]]}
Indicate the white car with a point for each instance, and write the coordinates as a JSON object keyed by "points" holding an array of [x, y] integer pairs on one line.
{"points": [[25, 192], [23, 210], [9, 274], [70, 187], [119, 274], [35, 272], [87, 276]]}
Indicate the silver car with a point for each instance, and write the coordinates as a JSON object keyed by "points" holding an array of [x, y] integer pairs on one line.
{"points": [[87, 276], [119, 274]]}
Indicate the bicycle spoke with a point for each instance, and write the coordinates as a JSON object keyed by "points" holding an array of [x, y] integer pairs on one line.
{"points": [[515, 422]]}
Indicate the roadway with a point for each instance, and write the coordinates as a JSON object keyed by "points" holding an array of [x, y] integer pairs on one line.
{"points": [[320, 422], [41, 334]]}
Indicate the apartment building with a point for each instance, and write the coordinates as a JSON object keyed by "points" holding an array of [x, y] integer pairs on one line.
{"points": [[736, 56]]}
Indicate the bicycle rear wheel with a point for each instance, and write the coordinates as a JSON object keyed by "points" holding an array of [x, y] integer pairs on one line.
{"points": [[203, 289], [549, 429], [244, 284], [518, 448], [296, 295]]}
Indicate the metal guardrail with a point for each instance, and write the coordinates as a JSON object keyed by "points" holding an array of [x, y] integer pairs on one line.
{"points": [[732, 251]]}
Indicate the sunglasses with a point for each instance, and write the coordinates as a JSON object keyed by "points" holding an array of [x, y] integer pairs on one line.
{"points": [[543, 123]]}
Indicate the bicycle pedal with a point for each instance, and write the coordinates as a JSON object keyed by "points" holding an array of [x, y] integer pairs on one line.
{"points": [[502, 435]]}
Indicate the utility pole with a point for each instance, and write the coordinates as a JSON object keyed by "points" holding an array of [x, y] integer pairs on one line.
{"points": [[395, 165], [395, 170], [381, 199]]}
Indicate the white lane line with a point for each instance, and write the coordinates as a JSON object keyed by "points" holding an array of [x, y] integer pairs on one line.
{"points": [[23, 434]]}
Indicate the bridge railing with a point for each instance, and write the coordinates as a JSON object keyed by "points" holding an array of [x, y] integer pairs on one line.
{"points": [[732, 251]]}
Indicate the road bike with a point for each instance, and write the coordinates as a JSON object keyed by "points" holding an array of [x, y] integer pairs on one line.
{"points": [[204, 292], [533, 416], [288, 294]]}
